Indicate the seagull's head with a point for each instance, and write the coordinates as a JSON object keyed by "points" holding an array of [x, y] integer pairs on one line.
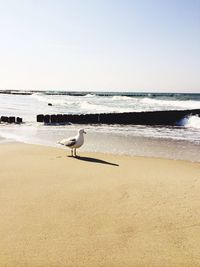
{"points": [[81, 131]]}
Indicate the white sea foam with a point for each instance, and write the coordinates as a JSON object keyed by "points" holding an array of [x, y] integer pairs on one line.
{"points": [[90, 95], [171, 104], [14, 136], [90, 107], [118, 98], [192, 122], [70, 103], [55, 100]]}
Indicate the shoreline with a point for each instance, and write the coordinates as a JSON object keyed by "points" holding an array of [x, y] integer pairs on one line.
{"points": [[88, 152], [96, 210], [115, 143]]}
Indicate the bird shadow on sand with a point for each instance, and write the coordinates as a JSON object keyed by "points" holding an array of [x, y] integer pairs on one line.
{"points": [[94, 160]]}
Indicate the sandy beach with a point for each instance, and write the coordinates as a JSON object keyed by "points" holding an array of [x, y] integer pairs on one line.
{"points": [[96, 210]]}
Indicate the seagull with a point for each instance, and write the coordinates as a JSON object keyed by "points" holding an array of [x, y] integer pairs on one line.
{"points": [[74, 142]]}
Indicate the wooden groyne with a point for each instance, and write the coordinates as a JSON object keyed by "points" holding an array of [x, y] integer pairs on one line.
{"points": [[11, 119], [170, 117]]}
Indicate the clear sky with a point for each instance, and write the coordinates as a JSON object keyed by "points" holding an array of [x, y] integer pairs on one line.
{"points": [[124, 45]]}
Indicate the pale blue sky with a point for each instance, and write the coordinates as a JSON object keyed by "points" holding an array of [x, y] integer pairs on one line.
{"points": [[143, 45]]}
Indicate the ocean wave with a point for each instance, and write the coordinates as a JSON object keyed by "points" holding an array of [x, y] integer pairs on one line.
{"points": [[90, 95], [191, 122], [54, 99], [40, 97], [169, 104], [89, 107], [118, 98], [90, 103]]}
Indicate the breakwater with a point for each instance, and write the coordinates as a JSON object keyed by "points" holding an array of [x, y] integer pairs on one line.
{"points": [[11, 119], [170, 117]]}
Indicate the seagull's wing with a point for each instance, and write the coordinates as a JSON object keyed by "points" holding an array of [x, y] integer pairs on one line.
{"points": [[68, 142]]}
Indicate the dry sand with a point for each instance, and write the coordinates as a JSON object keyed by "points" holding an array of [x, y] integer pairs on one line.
{"points": [[61, 211]]}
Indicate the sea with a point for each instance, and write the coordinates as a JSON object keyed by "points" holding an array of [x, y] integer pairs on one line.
{"points": [[179, 142]]}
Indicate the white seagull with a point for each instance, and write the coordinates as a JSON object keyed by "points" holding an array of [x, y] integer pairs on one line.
{"points": [[74, 142]]}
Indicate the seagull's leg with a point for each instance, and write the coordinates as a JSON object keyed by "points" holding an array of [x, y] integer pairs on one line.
{"points": [[75, 152], [72, 152]]}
